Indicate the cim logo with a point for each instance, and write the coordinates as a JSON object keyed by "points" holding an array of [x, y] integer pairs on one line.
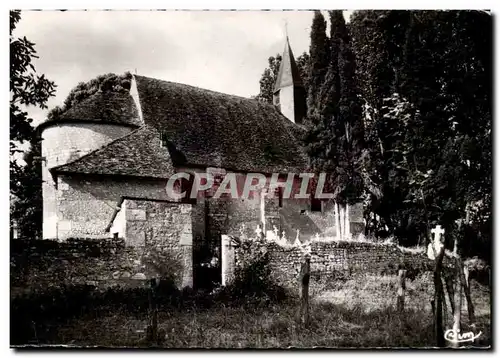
{"points": [[457, 337]]}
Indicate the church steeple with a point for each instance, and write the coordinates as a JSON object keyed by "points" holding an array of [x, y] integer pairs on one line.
{"points": [[289, 93]]}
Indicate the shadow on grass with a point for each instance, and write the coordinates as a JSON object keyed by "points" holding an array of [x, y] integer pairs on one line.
{"points": [[81, 316], [271, 325]]}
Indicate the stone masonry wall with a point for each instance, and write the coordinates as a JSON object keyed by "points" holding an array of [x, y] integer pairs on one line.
{"points": [[86, 204], [41, 264], [329, 259], [62, 143], [296, 214], [167, 227]]}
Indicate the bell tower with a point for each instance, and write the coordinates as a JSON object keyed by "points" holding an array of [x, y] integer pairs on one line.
{"points": [[289, 94]]}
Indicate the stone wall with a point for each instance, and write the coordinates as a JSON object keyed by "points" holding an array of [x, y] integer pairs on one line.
{"points": [[167, 227], [107, 263], [40, 264], [329, 259], [103, 263], [296, 214], [86, 204], [65, 142]]}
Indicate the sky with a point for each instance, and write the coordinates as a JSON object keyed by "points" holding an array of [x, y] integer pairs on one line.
{"points": [[224, 51]]}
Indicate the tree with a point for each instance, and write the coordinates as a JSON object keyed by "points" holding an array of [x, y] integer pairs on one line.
{"points": [[335, 138], [303, 66], [451, 88], [27, 208], [318, 65], [378, 39], [27, 88], [439, 112], [317, 141], [268, 79], [429, 138]]}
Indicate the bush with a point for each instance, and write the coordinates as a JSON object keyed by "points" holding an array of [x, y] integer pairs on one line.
{"points": [[479, 270], [253, 278]]}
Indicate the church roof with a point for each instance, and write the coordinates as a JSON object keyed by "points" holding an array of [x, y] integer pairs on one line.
{"points": [[138, 153], [202, 128], [289, 72], [101, 107], [220, 130]]}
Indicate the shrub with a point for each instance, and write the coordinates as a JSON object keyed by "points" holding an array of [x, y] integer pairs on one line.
{"points": [[164, 264], [253, 278]]}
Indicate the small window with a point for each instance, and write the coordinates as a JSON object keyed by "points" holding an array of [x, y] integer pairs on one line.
{"points": [[316, 205], [164, 140], [276, 98], [279, 192]]}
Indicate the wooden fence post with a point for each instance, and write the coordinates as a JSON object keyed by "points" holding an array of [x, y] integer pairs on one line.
{"points": [[458, 300], [438, 301], [401, 290], [464, 277], [152, 330], [304, 278]]}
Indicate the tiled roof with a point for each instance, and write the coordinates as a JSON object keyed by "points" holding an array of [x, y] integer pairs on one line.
{"points": [[209, 128], [202, 128], [138, 153], [106, 107]]}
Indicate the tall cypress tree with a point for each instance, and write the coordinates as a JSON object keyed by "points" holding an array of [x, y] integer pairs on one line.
{"points": [[347, 113], [378, 40], [427, 75], [343, 113], [317, 139], [335, 137], [340, 112], [318, 62]]}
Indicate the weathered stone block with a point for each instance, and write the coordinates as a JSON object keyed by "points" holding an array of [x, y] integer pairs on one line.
{"points": [[136, 215]]}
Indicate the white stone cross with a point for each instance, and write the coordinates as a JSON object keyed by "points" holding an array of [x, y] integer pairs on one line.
{"points": [[297, 240], [275, 230], [437, 231], [258, 231], [435, 247]]}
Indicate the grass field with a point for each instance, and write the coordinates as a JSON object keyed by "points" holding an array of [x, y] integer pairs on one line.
{"points": [[359, 312]]}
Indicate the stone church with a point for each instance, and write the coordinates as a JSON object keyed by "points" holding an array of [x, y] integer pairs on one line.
{"points": [[107, 160]]}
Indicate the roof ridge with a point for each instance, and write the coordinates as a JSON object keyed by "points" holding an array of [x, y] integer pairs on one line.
{"points": [[200, 88], [265, 105], [100, 148]]}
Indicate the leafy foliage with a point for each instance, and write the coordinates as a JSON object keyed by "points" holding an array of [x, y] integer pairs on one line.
{"points": [[318, 65], [27, 201], [27, 88], [335, 137], [253, 277], [427, 92], [104, 83], [268, 79]]}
